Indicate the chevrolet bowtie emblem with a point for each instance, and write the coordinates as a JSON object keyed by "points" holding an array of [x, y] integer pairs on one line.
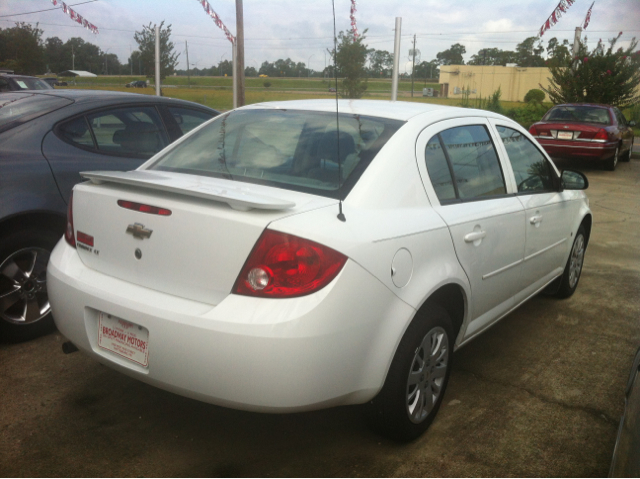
{"points": [[139, 231]]}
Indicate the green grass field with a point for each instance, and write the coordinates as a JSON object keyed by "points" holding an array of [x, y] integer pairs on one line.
{"points": [[216, 92]]}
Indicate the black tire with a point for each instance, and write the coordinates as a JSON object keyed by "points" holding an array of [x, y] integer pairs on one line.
{"points": [[400, 411], [612, 162], [25, 312], [573, 269], [627, 157]]}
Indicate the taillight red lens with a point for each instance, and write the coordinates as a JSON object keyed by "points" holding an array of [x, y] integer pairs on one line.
{"points": [[153, 210], [533, 130], [601, 135], [68, 232], [286, 266]]}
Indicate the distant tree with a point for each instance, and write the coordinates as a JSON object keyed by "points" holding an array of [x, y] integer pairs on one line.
{"points": [[452, 56], [134, 64], [250, 72], [21, 49], [225, 67], [88, 56], [493, 56], [528, 53], [54, 55], [426, 70], [557, 54], [350, 59], [380, 63], [598, 76], [146, 39]]}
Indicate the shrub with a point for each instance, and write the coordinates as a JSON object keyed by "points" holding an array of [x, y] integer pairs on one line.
{"points": [[267, 84], [534, 95], [528, 114]]}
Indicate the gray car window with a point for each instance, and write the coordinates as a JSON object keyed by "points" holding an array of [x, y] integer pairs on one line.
{"points": [[530, 167], [439, 171], [188, 119], [474, 162], [77, 131], [134, 131]]}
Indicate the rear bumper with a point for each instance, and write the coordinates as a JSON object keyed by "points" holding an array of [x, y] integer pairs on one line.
{"points": [[271, 355], [590, 150]]}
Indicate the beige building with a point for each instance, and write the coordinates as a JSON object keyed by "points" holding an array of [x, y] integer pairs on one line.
{"points": [[481, 81]]}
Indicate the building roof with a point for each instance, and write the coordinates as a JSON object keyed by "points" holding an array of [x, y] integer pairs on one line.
{"points": [[76, 73]]}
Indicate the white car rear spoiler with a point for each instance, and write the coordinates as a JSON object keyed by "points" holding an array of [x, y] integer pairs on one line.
{"points": [[239, 197]]}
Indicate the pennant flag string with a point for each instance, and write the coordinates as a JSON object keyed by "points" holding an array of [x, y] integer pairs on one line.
{"points": [[352, 15], [561, 9], [216, 19], [588, 17], [76, 17]]}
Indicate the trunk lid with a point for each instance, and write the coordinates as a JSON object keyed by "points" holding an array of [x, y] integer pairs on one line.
{"points": [[196, 251], [576, 130]]}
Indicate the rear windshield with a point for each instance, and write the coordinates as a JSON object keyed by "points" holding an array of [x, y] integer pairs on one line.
{"points": [[17, 108], [586, 114], [298, 150], [26, 83]]}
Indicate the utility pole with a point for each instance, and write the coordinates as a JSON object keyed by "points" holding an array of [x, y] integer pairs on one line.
{"points": [[396, 60], [576, 45], [188, 75], [158, 60], [239, 73], [73, 58], [130, 60], [413, 64]]}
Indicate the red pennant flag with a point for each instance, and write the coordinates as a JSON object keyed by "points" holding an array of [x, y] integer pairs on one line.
{"points": [[588, 17]]}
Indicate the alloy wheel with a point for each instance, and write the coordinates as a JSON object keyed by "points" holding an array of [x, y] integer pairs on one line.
{"points": [[23, 286], [427, 374], [577, 257]]}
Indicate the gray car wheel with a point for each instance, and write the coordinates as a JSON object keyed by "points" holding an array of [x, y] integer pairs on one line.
{"points": [[417, 378], [25, 312]]}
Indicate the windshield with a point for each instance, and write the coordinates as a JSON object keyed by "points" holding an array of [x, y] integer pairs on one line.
{"points": [[299, 150], [27, 83], [586, 114], [17, 108]]}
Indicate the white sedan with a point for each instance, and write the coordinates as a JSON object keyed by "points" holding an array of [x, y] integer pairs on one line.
{"points": [[285, 257]]}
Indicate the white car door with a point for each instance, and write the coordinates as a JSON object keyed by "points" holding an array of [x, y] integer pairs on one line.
{"points": [[466, 184], [548, 233]]}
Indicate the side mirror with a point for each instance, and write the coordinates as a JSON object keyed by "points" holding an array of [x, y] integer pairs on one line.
{"points": [[574, 180]]}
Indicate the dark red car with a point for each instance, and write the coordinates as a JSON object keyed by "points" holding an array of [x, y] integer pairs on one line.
{"points": [[585, 131]]}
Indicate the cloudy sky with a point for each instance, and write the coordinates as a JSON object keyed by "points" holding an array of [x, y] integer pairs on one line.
{"points": [[302, 29]]}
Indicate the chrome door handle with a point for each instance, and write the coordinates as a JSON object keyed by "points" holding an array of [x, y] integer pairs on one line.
{"points": [[475, 236], [534, 220]]}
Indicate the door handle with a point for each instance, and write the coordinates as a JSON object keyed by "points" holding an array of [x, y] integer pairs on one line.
{"points": [[475, 236], [534, 220]]}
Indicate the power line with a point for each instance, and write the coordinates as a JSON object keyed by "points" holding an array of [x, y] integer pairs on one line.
{"points": [[46, 10]]}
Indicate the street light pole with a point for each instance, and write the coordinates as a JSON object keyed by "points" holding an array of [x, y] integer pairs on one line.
{"points": [[238, 76], [309, 65]]}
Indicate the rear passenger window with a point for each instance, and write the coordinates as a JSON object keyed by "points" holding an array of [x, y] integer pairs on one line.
{"points": [[129, 131], [77, 131], [463, 164], [188, 119], [532, 171]]}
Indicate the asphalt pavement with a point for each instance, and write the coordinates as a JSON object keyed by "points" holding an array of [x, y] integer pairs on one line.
{"points": [[539, 394]]}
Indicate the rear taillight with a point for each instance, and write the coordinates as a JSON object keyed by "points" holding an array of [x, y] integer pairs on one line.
{"points": [[601, 135], [68, 232], [285, 266], [533, 130]]}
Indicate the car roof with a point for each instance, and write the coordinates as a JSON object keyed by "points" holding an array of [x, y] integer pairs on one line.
{"points": [[396, 110], [80, 97], [597, 105]]}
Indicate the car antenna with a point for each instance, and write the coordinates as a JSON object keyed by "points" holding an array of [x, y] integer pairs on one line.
{"points": [[341, 216]]}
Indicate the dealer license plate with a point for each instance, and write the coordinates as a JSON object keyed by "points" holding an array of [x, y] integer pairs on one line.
{"points": [[124, 338], [565, 135]]}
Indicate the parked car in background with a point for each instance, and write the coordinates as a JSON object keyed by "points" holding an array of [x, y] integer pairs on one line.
{"points": [[137, 84], [46, 139], [597, 133], [22, 82], [54, 82], [274, 261], [626, 454]]}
